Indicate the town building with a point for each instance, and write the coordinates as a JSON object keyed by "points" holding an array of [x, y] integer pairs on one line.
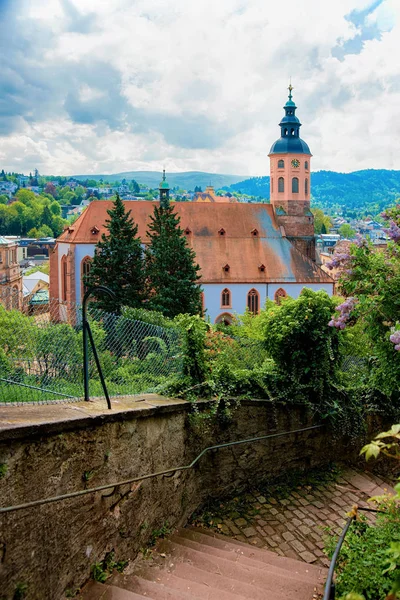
{"points": [[210, 196], [247, 253], [10, 275]]}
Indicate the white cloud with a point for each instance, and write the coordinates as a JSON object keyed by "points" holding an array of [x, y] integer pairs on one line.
{"points": [[176, 69]]}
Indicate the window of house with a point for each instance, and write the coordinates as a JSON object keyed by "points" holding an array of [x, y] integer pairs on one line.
{"points": [[281, 184], [253, 301], [295, 185], [306, 186], [281, 164], [85, 270], [64, 279], [279, 294], [225, 297]]}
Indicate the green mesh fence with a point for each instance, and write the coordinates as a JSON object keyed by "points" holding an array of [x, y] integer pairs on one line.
{"points": [[41, 358]]}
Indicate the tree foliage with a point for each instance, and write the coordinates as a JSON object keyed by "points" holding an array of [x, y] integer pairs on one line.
{"points": [[171, 270], [118, 262]]}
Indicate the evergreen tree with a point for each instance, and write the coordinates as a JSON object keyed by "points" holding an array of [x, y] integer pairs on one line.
{"points": [[118, 261], [171, 270]]}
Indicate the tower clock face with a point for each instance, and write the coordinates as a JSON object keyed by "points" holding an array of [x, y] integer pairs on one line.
{"points": [[295, 163]]}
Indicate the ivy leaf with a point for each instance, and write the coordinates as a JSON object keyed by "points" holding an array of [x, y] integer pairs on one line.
{"points": [[372, 449]]}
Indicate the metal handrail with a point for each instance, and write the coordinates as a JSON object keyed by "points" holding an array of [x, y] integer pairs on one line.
{"points": [[87, 332], [330, 588], [7, 509]]}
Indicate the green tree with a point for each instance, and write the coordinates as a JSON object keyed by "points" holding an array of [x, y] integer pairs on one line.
{"points": [[118, 261], [172, 273], [346, 231], [55, 208], [320, 218]]}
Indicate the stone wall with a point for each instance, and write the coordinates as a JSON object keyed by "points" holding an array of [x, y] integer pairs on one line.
{"points": [[52, 547]]}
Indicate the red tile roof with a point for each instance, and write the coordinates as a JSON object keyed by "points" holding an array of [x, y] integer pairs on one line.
{"points": [[238, 247]]}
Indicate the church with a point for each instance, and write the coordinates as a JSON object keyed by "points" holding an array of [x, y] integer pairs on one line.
{"points": [[247, 253]]}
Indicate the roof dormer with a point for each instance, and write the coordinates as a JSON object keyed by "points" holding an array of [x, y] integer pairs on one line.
{"points": [[254, 232], [221, 231], [94, 230], [226, 268]]}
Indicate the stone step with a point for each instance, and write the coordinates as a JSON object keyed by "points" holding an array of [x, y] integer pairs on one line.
{"points": [[365, 483], [266, 557], [237, 557], [261, 581], [156, 590], [176, 585], [219, 583], [101, 591]]}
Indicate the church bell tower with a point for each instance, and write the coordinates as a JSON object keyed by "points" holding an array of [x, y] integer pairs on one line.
{"points": [[290, 170]]}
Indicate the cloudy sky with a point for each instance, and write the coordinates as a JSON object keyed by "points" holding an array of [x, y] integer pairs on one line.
{"points": [[105, 86]]}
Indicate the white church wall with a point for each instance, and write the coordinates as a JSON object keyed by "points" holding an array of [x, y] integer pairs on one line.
{"points": [[294, 289], [81, 251], [239, 291]]}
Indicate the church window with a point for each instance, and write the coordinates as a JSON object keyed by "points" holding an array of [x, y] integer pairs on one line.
{"points": [[281, 164], [253, 301], [281, 184], [279, 294], [285, 132], [306, 186], [85, 270], [292, 132], [306, 165], [64, 279], [15, 297], [295, 185], [225, 298], [225, 318]]}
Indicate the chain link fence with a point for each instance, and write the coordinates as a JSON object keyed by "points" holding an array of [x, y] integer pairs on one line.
{"points": [[41, 356]]}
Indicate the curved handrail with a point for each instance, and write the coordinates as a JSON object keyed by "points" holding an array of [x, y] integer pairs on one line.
{"points": [[329, 591]]}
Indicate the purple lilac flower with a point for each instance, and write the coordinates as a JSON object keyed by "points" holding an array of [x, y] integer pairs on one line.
{"points": [[393, 232], [395, 339], [338, 260], [345, 309]]}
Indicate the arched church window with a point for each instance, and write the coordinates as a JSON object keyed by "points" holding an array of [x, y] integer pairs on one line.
{"points": [[306, 186], [306, 165], [64, 279], [253, 301], [285, 132], [225, 297], [292, 131], [281, 184], [272, 185], [281, 164], [85, 270], [295, 185], [225, 318], [279, 294]]}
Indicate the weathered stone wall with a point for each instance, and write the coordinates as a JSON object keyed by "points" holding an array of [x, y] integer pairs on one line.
{"points": [[52, 547]]}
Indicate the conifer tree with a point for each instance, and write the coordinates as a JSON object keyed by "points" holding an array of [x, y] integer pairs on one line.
{"points": [[118, 261], [171, 270]]}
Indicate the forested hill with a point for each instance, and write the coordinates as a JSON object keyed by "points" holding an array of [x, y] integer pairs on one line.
{"points": [[369, 191]]}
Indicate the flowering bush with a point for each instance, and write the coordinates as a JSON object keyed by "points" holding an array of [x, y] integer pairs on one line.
{"points": [[371, 281]]}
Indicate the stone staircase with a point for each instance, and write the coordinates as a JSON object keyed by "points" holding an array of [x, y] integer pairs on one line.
{"points": [[197, 564]]}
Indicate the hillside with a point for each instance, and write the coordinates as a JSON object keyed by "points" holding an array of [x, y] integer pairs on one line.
{"points": [[187, 180], [367, 191]]}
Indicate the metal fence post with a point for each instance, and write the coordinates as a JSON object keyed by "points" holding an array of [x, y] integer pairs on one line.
{"points": [[86, 329]]}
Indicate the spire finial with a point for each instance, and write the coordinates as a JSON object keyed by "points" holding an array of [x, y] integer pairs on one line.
{"points": [[163, 177], [290, 88]]}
